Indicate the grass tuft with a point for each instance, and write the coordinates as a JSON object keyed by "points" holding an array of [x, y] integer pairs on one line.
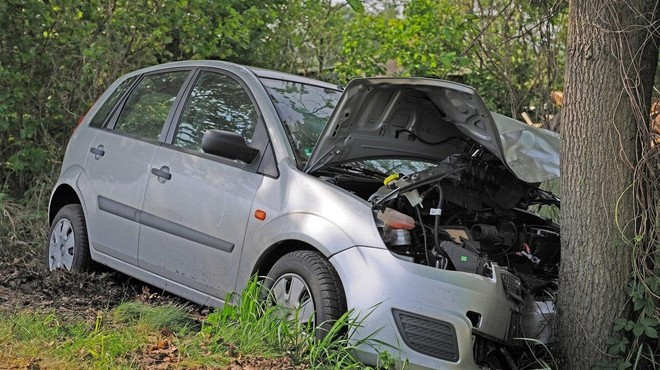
{"points": [[254, 326], [171, 317]]}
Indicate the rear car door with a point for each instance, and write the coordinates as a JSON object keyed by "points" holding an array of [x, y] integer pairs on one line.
{"points": [[119, 162], [197, 205]]}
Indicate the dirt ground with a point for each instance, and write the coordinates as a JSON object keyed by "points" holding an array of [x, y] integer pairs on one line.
{"points": [[26, 285]]}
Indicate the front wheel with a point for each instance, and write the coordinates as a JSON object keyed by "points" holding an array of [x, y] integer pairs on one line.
{"points": [[68, 246], [305, 283]]}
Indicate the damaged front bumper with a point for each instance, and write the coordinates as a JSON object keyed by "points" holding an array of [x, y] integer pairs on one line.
{"points": [[434, 318]]}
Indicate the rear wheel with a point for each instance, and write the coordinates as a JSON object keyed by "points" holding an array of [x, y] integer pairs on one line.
{"points": [[306, 284], [68, 246]]}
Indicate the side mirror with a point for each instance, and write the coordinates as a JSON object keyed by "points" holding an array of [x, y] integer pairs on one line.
{"points": [[229, 145]]}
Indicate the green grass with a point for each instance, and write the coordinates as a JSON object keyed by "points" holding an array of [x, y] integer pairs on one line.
{"points": [[114, 339], [253, 326], [132, 334]]}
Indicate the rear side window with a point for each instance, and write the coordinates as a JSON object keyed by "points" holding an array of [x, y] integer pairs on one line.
{"points": [[106, 109], [149, 104], [217, 102]]}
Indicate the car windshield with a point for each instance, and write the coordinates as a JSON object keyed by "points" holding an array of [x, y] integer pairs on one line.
{"points": [[386, 167], [304, 111]]}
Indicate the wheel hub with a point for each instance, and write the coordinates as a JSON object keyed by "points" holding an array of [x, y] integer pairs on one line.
{"points": [[292, 293], [61, 246]]}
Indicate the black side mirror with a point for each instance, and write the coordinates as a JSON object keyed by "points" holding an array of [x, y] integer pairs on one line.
{"points": [[229, 145]]}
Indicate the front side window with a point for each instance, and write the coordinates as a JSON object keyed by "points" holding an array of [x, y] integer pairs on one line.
{"points": [[304, 111], [148, 106], [217, 102]]}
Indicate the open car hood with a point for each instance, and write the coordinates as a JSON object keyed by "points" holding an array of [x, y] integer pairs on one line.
{"points": [[429, 119]]}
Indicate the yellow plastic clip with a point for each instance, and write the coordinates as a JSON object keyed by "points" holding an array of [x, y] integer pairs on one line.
{"points": [[392, 177]]}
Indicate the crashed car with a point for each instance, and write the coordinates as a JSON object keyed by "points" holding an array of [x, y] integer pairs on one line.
{"points": [[404, 200]]}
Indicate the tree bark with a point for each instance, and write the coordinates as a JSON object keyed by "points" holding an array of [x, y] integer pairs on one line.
{"points": [[611, 62]]}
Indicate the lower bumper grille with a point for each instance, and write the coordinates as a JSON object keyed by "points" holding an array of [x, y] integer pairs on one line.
{"points": [[428, 336], [512, 286]]}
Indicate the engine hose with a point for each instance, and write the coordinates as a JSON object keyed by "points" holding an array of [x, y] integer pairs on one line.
{"points": [[486, 233], [426, 247], [436, 224]]}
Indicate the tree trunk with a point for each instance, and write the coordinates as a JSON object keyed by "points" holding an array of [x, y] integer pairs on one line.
{"points": [[608, 80]]}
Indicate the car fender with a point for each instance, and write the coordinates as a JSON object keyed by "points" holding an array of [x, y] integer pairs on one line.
{"points": [[68, 176], [318, 232], [77, 179]]}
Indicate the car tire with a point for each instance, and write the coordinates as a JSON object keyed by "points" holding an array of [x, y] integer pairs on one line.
{"points": [[67, 247], [301, 278]]}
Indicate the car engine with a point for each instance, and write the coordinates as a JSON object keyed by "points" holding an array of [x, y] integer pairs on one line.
{"points": [[465, 214]]}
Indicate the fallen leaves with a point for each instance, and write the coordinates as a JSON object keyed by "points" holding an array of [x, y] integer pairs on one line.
{"points": [[11, 363], [262, 363], [161, 355]]}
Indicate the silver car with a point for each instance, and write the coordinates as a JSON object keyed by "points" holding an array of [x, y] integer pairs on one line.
{"points": [[404, 199]]}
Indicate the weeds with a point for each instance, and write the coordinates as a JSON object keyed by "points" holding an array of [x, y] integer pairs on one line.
{"points": [[254, 326], [172, 317], [540, 354], [139, 335], [23, 222]]}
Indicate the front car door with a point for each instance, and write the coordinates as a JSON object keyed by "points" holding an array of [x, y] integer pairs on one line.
{"points": [[119, 161], [194, 218]]}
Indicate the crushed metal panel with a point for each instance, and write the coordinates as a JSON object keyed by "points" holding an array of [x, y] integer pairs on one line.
{"points": [[531, 153]]}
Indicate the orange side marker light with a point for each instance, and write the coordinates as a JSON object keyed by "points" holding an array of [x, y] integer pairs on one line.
{"points": [[260, 215]]}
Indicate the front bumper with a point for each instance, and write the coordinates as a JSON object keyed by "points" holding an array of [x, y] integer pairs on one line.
{"points": [[422, 315]]}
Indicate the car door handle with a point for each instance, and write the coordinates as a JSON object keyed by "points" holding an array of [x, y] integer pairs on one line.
{"points": [[98, 151], [163, 173]]}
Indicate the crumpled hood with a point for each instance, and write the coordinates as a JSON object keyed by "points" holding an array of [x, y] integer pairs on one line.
{"points": [[531, 153], [428, 119]]}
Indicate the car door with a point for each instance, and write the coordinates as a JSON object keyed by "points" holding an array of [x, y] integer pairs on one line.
{"points": [[198, 204], [119, 162]]}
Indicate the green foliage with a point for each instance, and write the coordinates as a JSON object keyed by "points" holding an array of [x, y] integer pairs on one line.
{"points": [[518, 58], [425, 41], [356, 5], [511, 52], [305, 37], [23, 222], [57, 57], [114, 339], [634, 338], [252, 325], [550, 212]]}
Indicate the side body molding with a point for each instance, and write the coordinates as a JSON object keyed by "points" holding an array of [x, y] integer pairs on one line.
{"points": [[149, 220]]}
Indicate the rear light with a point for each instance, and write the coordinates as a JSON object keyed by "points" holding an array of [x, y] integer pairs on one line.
{"points": [[82, 118], [78, 122]]}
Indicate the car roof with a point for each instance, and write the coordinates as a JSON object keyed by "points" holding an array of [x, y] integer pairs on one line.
{"points": [[259, 72], [267, 73]]}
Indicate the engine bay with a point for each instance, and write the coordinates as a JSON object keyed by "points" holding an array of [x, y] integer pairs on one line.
{"points": [[465, 214]]}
